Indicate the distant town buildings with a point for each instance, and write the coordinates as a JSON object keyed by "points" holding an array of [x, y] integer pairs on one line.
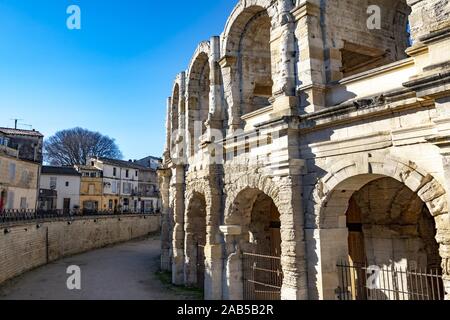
{"points": [[102, 185], [20, 162], [66, 182], [128, 186]]}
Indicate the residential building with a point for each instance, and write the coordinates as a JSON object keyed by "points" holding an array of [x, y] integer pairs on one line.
{"points": [[150, 162], [20, 162], [91, 190], [120, 183], [28, 143], [148, 191], [65, 181]]}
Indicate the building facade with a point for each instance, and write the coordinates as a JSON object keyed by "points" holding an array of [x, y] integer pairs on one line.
{"points": [[91, 191], [65, 183], [120, 183], [20, 162], [312, 133]]}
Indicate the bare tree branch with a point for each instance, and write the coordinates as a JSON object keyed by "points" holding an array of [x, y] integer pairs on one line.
{"points": [[74, 146]]}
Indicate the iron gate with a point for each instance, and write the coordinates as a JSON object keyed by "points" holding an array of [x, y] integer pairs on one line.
{"points": [[262, 276], [361, 282]]}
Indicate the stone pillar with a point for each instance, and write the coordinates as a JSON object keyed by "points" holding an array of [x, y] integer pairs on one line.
{"points": [[428, 16], [214, 246], [178, 190], [311, 57], [293, 248], [232, 280], [285, 100], [231, 85], [182, 103], [164, 176]]}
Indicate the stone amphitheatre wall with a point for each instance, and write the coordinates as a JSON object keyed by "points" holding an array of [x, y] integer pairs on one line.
{"points": [[28, 245]]}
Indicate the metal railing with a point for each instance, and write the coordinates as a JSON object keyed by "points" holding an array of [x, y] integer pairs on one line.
{"points": [[263, 277], [362, 282], [13, 216]]}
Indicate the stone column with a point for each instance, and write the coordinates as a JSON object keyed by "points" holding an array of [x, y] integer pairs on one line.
{"points": [[164, 176], [231, 87], [215, 96], [311, 57], [428, 16], [285, 102], [182, 103], [178, 190], [232, 280], [214, 246]]}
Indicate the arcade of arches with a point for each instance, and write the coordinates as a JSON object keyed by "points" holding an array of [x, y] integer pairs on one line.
{"points": [[334, 152]]}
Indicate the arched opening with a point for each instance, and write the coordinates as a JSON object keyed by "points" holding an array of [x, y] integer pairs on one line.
{"points": [[198, 104], [254, 64], [195, 241], [385, 238], [261, 245], [378, 34], [175, 105], [249, 40]]}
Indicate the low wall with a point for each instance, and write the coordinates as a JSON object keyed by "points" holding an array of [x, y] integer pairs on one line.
{"points": [[25, 246]]}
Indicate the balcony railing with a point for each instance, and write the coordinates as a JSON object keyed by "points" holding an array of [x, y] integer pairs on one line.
{"points": [[13, 216]]}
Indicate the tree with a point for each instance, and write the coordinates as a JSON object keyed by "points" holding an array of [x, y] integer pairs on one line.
{"points": [[74, 146]]}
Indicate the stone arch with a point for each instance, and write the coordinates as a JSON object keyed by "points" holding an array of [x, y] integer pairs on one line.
{"points": [[283, 192], [246, 44], [250, 181], [240, 16], [178, 120], [331, 199], [213, 249], [195, 239], [175, 104], [351, 175], [198, 93]]}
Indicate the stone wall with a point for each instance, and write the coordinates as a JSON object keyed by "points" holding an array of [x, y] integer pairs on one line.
{"points": [[26, 246]]}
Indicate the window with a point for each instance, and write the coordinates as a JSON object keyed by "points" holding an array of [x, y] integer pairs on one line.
{"points": [[126, 188], [127, 173], [114, 187], [23, 203], [110, 204], [4, 141], [12, 172], [91, 189], [24, 179], [67, 183], [93, 174], [136, 173], [114, 172], [10, 200], [53, 183]]}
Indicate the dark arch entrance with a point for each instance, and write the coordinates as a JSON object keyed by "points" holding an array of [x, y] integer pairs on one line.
{"points": [[261, 245], [391, 236], [195, 241]]}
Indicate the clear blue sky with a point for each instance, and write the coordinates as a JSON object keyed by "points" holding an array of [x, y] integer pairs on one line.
{"points": [[112, 76]]}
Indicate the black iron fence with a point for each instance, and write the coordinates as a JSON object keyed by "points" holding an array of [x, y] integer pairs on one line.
{"points": [[12, 216], [362, 282], [263, 277]]}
